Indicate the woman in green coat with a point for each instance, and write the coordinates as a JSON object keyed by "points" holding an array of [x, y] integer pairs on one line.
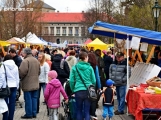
{"points": [[77, 86]]}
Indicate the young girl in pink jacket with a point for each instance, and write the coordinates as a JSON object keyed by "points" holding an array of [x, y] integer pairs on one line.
{"points": [[52, 95]]}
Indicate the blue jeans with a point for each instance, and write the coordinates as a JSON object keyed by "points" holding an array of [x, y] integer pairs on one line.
{"points": [[121, 92], [83, 105], [9, 115], [107, 110], [41, 85], [30, 98]]}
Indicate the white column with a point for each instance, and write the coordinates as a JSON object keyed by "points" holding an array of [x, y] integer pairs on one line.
{"points": [[49, 31], [54, 31], [73, 31], [61, 31], [79, 31], [67, 31]]}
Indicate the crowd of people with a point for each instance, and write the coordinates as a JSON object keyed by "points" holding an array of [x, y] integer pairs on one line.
{"points": [[34, 70]]}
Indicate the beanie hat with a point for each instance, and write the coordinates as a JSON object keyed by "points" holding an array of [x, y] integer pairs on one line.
{"points": [[109, 82], [104, 51], [52, 74]]}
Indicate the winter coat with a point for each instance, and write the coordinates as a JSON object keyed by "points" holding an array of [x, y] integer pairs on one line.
{"points": [[43, 77], [17, 59], [71, 60], [108, 61], [61, 67], [52, 93], [87, 73], [3, 106], [98, 82], [29, 72], [11, 72], [118, 72]]}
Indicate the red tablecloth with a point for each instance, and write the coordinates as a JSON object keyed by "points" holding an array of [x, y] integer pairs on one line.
{"points": [[137, 101]]}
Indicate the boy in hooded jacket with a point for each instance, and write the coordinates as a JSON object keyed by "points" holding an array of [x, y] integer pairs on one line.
{"points": [[52, 95]]}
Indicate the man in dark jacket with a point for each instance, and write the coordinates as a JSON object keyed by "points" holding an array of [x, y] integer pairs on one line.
{"points": [[61, 67], [17, 59], [118, 73]]}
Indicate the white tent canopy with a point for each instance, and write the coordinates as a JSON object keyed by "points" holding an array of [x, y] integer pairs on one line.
{"points": [[32, 39]]}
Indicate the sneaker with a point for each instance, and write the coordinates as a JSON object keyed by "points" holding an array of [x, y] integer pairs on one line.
{"points": [[110, 118], [94, 118], [118, 113], [104, 118]]}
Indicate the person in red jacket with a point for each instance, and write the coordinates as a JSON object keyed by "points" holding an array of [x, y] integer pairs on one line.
{"points": [[52, 95]]}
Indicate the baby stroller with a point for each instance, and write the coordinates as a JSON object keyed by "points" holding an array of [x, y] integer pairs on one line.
{"points": [[70, 107]]}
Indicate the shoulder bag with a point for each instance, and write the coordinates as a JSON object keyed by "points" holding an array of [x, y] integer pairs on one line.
{"points": [[91, 89], [5, 92]]}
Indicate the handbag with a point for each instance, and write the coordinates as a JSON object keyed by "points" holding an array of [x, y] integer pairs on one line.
{"points": [[91, 89], [5, 92]]}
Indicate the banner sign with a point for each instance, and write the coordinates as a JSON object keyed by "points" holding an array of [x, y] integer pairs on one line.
{"points": [[16, 9]]}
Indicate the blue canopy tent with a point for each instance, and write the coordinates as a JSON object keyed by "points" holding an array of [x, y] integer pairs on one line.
{"points": [[124, 32], [121, 32]]}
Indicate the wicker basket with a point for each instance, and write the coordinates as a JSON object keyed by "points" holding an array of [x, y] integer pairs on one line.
{"points": [[153, 83]]}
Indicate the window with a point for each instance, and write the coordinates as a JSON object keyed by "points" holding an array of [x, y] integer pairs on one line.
{"points": [[52, 30], [46, 30], [64, 30], [76, 31], [70, 30], [58, 30], [70, 42], [83, 30]]}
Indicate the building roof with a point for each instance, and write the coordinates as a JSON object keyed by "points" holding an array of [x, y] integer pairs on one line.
{"points": [[44, 5], [62, 17]]}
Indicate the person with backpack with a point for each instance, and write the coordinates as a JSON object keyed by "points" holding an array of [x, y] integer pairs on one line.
{"points": [[108, 100], [61, 67], [93, 63], [82, 75]]}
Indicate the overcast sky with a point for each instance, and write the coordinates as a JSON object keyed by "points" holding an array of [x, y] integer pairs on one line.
{"points": [[70, 5]]}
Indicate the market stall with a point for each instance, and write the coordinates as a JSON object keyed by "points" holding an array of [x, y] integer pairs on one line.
{"points": [[97, 44], [137, 98], [87, 41]]}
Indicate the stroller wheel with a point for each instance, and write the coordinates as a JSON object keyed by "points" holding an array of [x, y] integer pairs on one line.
{"points": [[61, 117]]}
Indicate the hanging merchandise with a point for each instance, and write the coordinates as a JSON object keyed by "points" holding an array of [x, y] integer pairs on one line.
{"points": [[135, 43]]}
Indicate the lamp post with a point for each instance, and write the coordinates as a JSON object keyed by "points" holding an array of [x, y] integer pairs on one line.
{"points": [[156, 12]]}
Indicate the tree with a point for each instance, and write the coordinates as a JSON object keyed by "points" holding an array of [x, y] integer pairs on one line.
{"points": [[16, 23], [101, 10], [138, 13]]}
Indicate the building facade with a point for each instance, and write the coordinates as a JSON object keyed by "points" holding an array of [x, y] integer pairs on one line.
{"points": [[59, 27]]}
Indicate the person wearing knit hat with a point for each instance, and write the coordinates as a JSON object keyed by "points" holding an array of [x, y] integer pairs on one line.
{"points": [[108, 100], [52, 74], [52, 94]]}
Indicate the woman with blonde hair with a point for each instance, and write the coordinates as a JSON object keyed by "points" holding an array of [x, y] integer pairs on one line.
{"points": [[43, 77], [48, 59]]}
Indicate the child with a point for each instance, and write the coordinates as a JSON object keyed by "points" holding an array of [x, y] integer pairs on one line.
{"points": [[52, 95], [108, 100]]}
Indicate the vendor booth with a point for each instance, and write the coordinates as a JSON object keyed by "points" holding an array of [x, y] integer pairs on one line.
{"points": [[97, 44], [139, 95]]}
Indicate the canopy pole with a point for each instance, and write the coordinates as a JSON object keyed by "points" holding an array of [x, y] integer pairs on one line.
{"points": [[151, 53], [127, 54], [114, 52]]}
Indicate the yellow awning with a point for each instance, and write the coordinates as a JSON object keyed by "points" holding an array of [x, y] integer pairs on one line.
{"points": [[4, 43]]}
